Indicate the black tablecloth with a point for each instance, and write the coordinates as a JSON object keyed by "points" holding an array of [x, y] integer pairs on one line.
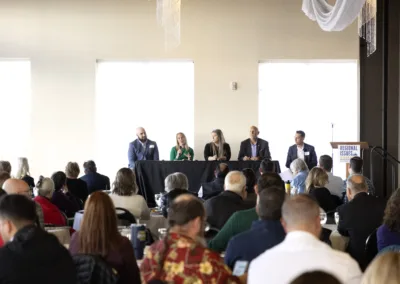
{"points": [[151, 174]]}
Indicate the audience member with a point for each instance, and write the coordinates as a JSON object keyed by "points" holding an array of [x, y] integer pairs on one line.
{"points": [[264, 234], [98, 235], [17, 186], [315, 186], [221, 207], [5, 166], [62, 198], [214, 188], [94, 180], [175, 185], [388, 234], [51, 213], [124, 194], [31, 255], [301, 251], [23, 172], [335, 183], [254, 148], [241, 221], [300, 172], [316, 277], [142, 149], [3, 177], [181, 151], [181, 256], [356, 165], [251, 180], [218, 149], [301, 150], [267, 166], [76, 186], [384, 269], [360, 217]]}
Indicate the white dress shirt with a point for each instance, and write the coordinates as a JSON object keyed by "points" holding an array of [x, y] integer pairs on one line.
{"points": [[302, 252], [300, 152], [335, 185]]}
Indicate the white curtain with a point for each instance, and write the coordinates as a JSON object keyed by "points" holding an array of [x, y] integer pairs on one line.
{"points": [[333, 18]]}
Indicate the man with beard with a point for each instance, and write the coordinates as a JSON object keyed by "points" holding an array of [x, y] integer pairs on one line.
{"points": [[181, 257], [142, 149]]}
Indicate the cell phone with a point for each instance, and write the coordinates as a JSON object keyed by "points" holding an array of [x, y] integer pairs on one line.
{"points": [[240, 267]]}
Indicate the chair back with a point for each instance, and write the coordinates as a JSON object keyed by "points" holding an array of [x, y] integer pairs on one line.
{"points": [[371, 247], [125, 218], [93, 269]]}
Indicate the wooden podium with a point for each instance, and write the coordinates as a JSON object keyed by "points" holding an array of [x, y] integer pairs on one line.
{"points": [[363, 146]]}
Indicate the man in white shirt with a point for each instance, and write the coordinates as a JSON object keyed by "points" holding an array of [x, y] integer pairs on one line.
{"points": [[302, 251], [335, 184]]}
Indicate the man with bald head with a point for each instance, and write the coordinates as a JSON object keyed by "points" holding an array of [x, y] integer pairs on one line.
{"points": [[18, 186], [301, 251], [254, 148], [359, 217], [142, 149]]}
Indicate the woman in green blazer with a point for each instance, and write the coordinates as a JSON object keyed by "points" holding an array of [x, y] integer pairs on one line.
{"points": [[181, 151]]}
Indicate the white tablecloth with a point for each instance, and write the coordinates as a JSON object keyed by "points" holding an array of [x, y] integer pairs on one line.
{"points": [[62, 234], [338, 241]]}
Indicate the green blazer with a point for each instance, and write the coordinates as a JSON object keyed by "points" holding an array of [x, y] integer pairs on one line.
{"points": [[182, 156]]}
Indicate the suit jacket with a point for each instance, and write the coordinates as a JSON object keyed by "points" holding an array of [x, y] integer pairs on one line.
{"points": [[262, 149], [358, 219], [95, 182], [213, 188], [35, 256], [310, 159], [137, 153], [221, 207], [208, 152]]}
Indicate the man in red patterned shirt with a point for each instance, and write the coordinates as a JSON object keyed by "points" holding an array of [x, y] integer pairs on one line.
{"points": [[182, 257]]}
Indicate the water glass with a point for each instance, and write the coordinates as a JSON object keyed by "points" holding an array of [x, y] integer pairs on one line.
{"points": [[323, 218], [162, 232], [157, 198], [337, 218]]}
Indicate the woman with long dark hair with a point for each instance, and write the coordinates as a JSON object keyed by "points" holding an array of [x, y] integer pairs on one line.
{"points": [[62, 198], [98, 235], [389, 233], [218, 149]]}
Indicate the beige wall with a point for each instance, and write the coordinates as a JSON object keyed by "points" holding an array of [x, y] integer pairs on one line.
{"points": [[225, 38]]}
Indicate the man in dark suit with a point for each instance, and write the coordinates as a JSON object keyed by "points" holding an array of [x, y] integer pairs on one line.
{"points": [[301, 150], [221, 207], [254, 148], [360, 217], [214, 188], [142, 148], [94, 180]]}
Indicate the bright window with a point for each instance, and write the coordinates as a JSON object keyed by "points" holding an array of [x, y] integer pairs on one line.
{"points": [[15, 108], [156, 95], [309, 96]]}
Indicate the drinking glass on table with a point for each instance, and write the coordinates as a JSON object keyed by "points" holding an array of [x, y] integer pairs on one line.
{"points": [[157, 198], [323, 218], [337, 218], [162, 232]]}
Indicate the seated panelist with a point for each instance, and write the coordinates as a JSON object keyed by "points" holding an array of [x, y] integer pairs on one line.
{"points": [[254, 148], [218, 149], [181, 151]]}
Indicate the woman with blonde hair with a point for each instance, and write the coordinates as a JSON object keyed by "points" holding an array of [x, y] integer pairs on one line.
{"points": [[98, 235], [218, 149], [181, 151], [384, 269], [124, 194], [316, 181], [23, 172]]}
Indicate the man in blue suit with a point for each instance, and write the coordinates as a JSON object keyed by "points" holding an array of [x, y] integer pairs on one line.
{"points": [[302, 151], [142, 149]]}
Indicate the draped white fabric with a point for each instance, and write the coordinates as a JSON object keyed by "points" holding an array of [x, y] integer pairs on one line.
{"points": [[333, 18]]}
